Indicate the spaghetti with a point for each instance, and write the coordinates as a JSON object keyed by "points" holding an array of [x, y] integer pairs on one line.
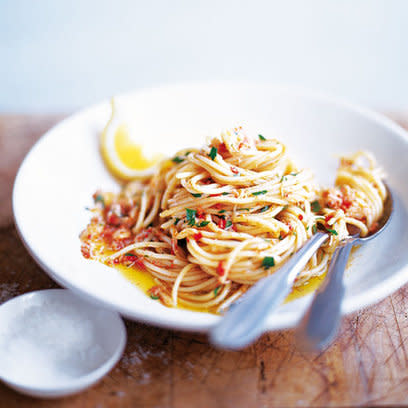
{"points": [[211, 222]]}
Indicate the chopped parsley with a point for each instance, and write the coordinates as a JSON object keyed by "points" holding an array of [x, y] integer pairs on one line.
{"points": [[216, 290], [315, 206], [177, 159], [176, 221], [225, 193], [228, 224], [203, 223], [129, 254], [259, 192], [263, 209], [283, 179], [280, 237], [332, 231], [293, 174], [268, 261], [213, 153], [187, 153], [245, 209], [154, 297], [196, 194], [262, 137], [191, 214], [99, 199], [221, 212], [314, 228]]}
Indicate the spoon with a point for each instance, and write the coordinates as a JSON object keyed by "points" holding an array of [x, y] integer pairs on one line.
{"points": [[320, 324], [245, 320]]}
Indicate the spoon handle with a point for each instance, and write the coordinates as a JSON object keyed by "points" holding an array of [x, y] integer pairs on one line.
{"points": [[319, 325], [245, 321]]}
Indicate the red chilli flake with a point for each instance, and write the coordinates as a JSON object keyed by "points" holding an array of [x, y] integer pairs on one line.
{"points": [[234, 170], [155, 291], [85, 251], [328, 218], [140, 264], [200, 213], [300, 216], [220, 268], [222, 148], [198, 236], [112, 218], [222, 223]]}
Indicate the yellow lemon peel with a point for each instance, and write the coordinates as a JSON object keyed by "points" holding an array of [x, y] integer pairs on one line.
{"points": [[123, 157]]}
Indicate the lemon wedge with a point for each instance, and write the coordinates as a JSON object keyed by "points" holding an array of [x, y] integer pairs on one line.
{"points": [[124, 158]]}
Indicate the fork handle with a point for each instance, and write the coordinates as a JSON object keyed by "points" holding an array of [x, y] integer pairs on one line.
{"points": [[245, 321], [320, 324]]}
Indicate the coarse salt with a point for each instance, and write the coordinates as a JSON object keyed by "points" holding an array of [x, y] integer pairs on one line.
{"points": [[51, 341]]}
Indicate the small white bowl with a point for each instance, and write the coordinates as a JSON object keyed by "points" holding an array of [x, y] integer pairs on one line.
{"points": [[59, 313]]}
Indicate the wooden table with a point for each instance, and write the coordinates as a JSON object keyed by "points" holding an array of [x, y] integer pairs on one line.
{"points": [[366, 366]]}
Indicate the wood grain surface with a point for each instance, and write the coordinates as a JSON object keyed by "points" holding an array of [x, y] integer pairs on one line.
{"points": [[366, 366]]}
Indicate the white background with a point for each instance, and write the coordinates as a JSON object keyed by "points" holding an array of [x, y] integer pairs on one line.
{"points": [[60, 55]]}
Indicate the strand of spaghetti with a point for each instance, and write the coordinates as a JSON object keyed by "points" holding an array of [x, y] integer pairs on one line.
{"points": [[178, 280]]}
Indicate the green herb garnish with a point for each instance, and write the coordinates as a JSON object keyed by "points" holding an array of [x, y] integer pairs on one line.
{"points": [[332, 231], [228, 224], [196, 194], [176, 221], [154, 297], [315, 205], [191, 214], [216, 290], [213, 153], [99, 199], [129, 254], [221, 211], [203, 223], [263, 209], [314, 228], [259, 192], [225, 193], [268, 261], [177, 159], [262, 137]]}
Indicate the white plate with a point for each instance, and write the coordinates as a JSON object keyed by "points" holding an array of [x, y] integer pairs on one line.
{"points": [[59, 175]]}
